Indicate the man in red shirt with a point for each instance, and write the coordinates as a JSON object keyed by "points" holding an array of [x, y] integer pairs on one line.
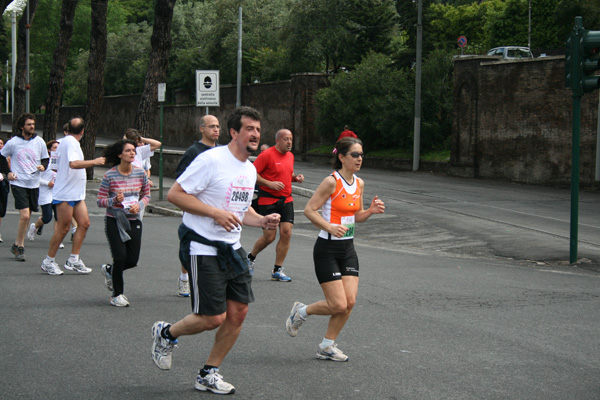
{"points": [[275, 174], [347, 133]]}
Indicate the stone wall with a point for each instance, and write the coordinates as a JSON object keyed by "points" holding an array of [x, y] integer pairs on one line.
{"points": [[512, 121]]}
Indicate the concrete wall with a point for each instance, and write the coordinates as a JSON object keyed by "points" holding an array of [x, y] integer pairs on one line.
{"points": [[512, 121]]}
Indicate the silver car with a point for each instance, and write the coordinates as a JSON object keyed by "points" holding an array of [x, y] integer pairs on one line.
{"points": [[511, 52]]}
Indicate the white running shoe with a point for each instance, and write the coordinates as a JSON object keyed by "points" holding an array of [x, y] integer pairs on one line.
{"points": [[331, 353], [31, 232], [214, 382], [1, 241], [251, 266], [119, 301], [61, 245], [51, 268], [295, 320], [161, 348], [107, 277], [184, 288], [78, 266]]}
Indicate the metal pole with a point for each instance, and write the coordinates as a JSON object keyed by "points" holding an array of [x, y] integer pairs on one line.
{"points": [[598, 141], [7, 96], [417, 126], [529, 31], [577, 93], [160, 159], [13, 20], [27, 87], [238, 101]]}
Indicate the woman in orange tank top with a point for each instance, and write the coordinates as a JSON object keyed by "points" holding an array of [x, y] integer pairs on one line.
{"points": [[340, 197]]}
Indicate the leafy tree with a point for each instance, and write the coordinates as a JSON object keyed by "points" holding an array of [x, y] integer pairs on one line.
{"points": [[374, 99], [324, 35]]}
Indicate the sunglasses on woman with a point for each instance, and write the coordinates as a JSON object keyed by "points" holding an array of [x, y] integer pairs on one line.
{"points": [[356, 154]]}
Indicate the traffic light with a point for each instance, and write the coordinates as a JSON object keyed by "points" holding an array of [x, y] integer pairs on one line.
{"points": [[570, 69], [590, 60], [582, 59]]}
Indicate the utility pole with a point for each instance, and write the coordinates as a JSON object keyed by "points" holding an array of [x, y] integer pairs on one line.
{"points": [[417, 126]]}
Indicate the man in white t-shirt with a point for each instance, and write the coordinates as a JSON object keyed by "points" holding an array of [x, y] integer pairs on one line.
{"points": [[215, 193], [28, 157], [68, 196]]}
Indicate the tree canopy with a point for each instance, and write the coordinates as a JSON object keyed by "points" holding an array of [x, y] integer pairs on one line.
{"points": [[352, 40]]}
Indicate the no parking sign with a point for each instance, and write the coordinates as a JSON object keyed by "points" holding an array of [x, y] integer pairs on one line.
{"points": [[462, 41]]}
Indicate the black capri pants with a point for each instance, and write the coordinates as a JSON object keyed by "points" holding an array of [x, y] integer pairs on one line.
{"points": [[125, 254]]}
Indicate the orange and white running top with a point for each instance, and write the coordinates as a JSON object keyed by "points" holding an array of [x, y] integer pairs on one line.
{"points": [[341, 206]]}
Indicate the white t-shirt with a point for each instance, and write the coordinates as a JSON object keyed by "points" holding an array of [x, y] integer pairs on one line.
{"points": [[70, 183], [218, 179], [45, 196], [142, 153], [25, 156]]}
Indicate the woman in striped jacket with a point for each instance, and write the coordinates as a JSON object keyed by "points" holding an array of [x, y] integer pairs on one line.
{"points": [[124, 191]]}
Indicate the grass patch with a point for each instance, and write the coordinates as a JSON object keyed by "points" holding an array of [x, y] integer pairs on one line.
{"points": [[438, 155]]}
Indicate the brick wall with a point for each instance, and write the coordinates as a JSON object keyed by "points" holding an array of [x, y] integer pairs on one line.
{"points": [[512, 121]]}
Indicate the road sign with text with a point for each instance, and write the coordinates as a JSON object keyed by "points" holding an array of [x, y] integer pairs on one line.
{"points": [[207, 88]]}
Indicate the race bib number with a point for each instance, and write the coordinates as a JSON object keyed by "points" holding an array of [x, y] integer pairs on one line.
{"points": [[129, 201], [53, 164], [348, 222], [240, 199]]}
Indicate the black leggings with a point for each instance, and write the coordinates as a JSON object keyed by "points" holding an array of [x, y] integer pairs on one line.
{"points": [[125, 254]]}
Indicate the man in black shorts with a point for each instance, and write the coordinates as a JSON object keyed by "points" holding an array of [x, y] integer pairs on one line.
{"points": [[275, 174], [28, 157]]}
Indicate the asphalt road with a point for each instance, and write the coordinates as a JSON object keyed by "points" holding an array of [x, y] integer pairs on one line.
{"points": [[465, 293]]}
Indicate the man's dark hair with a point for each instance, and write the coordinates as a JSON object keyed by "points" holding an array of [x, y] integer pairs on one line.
{"points": [[76, 127], [24, 117], [133, 134], [235, 120]]}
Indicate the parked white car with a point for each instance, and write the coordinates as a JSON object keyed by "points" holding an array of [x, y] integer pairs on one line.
{"points": [[511, 52]]}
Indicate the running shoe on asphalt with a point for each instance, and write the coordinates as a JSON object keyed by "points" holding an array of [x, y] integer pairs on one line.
{"points": [[1, 241], [61, 245], [31, 233], [119, 301], [251, 266], [78, 266], [331, 353], [51, 268], [184, 288], [295, 320], [19, 252], [107, 277], [161, 348], [280, 276], [214, 382]]}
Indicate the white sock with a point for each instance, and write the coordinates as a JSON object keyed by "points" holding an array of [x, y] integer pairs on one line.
{"points": [[326, 343], [51, 259], [184, 277], [302, 312], [74, 257]]}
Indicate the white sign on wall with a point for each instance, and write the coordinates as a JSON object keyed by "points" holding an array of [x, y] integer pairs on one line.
{"points": [[207, 88], [162, 88]]}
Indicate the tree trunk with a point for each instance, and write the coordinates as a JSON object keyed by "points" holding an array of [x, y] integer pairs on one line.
{"points": [[95, 87], [21, 70], [57, 73], [145, 118]]}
